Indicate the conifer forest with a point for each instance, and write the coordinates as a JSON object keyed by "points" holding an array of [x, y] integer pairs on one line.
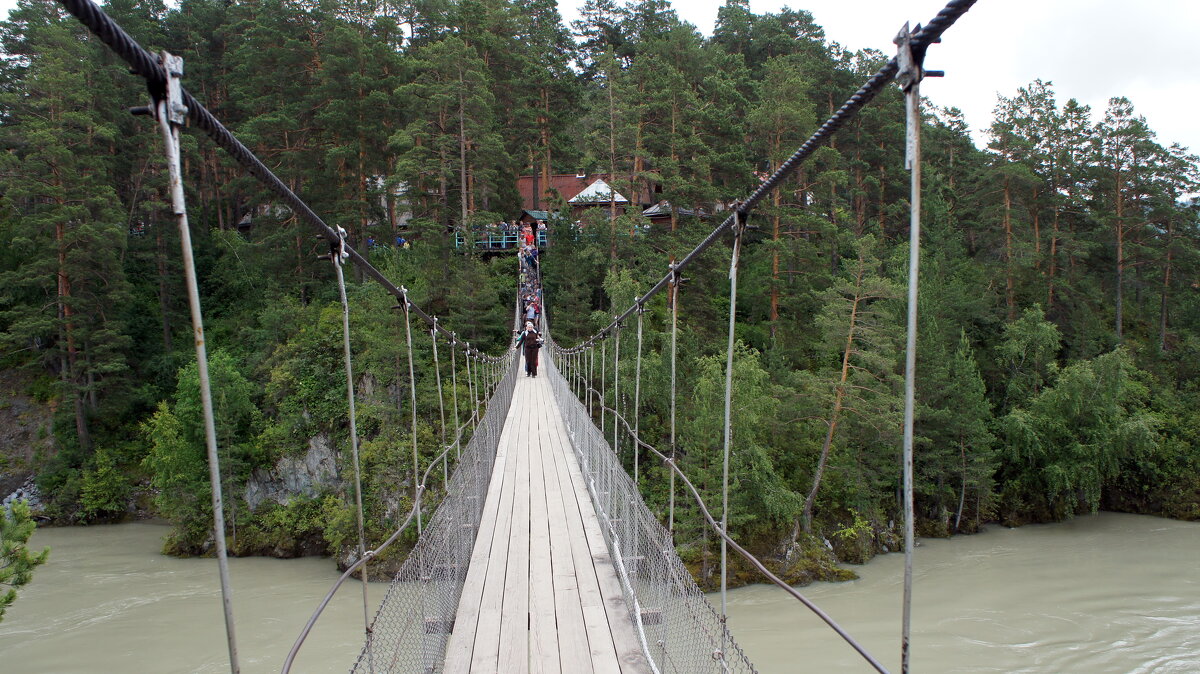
{"points": [[1058, 368]]}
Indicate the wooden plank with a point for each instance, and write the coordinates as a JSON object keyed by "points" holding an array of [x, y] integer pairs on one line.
{"points": [[491, 528], [514, 616], [574, 653], [486, 653], [462, 640], [541, 593], [601, 651], [543, 622], [617, 612]]}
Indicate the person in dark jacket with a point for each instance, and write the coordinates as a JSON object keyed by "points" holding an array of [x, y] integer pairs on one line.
{"points": [[530, 341]]}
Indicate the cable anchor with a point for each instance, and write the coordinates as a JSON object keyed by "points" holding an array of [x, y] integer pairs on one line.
{"points": [[911, 63], [173, 66]]}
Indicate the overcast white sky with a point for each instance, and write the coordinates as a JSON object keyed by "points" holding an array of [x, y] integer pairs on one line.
{"points": [[1146, 50], [1092, 50]]}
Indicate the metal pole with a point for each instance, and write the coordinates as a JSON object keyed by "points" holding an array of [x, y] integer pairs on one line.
{"points": [[674, 353], [471, 390], [454, 379], [637, 395], [616, 392], [336, 257], [733, 269], [603, 381], [170, 115], [412, 390], [437, 369], [910, 78]]}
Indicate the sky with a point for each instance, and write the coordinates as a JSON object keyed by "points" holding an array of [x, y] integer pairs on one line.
{"points": [[1092, 50]]}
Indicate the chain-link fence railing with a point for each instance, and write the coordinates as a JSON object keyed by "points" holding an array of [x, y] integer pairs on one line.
{"points": [[412, 627], [679, 630]]}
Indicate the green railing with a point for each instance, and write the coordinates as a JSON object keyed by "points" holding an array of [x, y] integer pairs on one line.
{"points": [[497, 240]]}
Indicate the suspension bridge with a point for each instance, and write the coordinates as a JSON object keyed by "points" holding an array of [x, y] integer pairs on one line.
{"points": [[542, 555]]}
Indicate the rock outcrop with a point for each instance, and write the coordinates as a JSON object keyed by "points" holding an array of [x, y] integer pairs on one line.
{"points": [[295, 475]]}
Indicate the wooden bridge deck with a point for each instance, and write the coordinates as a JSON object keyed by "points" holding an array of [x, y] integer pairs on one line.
{"points": [[541, 592]]}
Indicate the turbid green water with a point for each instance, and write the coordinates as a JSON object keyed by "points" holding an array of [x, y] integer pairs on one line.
{"points": [[108, 602], [1110, 593]]}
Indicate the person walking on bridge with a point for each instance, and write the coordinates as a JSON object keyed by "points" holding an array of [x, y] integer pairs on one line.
{"points": [[530, 341]]}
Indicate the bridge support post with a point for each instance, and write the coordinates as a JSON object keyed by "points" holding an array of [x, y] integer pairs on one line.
{"points": [[171, 114], [911, 73]]}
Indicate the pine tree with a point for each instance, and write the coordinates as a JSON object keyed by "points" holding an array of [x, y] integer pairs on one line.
{"points": [[954, 450], [781, 121], [858, 319], [57, 177], [17, 562], [1126, 145]]}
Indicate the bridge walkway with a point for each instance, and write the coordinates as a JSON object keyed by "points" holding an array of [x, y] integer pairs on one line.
{"points": [[541, 592]]}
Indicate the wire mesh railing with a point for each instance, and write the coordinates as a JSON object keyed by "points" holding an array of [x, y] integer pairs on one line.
{"points": [[412, 627], [679, 629]]}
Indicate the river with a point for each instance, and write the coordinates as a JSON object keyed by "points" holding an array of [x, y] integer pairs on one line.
{"points": [[1106, 593]]}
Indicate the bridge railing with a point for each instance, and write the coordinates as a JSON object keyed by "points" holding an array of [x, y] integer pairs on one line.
{"points": [[679, 629], [496, 240], [413, 625]]}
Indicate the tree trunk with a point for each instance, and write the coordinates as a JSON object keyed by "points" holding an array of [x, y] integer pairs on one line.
{"points": [[836, 414], [1037, 229], [1166, 290], [66, 312], [1120, 257], [462, 155], [164, 302], [546, 157], [1053, 269], [1010, 298], [962, 493], [612, 174], [775, 218]]}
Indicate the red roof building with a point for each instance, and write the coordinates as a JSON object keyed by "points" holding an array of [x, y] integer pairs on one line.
{"points": [[569, 186], [533, 192]]}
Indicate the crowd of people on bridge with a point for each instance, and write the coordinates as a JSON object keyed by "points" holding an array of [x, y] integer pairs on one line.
{"points": [[507, 227], [530, 338]]}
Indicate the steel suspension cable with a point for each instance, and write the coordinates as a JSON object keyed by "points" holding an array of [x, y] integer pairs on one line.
{"points": [[733, 277], [437, 369], [616, 390], [637, 396], [478, 391], [674, 297], [338, 256], [412, 389], [471, 391], [603, 385], [454, 379]]}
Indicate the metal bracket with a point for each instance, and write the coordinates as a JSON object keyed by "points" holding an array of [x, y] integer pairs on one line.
{"points": [[173, 66], [911, 64], [911, 70]]}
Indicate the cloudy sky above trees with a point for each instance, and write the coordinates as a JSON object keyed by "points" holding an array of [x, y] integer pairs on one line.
{"points": [[1090, 49]]}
